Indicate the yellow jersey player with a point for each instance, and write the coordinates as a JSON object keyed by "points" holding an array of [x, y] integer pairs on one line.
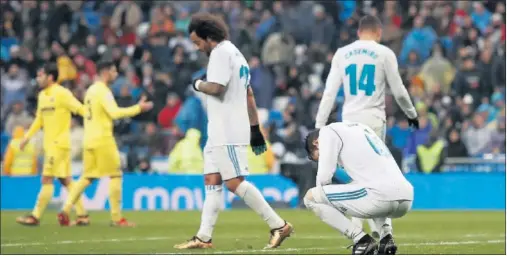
{"points": [[54, 107], [100, 153]]}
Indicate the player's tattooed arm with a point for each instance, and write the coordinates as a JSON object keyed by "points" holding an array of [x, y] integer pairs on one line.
{"points": [[252, 107], [211, 88]]}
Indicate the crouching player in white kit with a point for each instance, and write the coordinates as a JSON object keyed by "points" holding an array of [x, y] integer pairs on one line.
{"points": [[379, 190], [363, 67], [232, 125]]}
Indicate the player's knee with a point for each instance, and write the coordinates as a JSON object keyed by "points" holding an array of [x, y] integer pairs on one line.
{"points": [[212, 179]]}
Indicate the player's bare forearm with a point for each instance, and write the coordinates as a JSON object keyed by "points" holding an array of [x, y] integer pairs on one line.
{"points": [[212, 89], [252, 107]]}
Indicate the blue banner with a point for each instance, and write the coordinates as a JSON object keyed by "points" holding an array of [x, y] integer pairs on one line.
{"points": [[447, 191], [144, 192]]}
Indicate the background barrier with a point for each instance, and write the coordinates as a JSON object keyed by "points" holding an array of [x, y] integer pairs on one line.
{"points": [[456, 191]]}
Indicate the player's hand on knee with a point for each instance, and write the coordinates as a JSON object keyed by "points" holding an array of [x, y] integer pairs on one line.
{"points": [[257, 140], [413, 123]]}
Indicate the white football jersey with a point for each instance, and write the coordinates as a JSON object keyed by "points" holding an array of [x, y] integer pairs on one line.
{"points": [[363, 67], [365, 158], [228, 122]]}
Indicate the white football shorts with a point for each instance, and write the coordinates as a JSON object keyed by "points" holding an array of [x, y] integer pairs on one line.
{"points": [[230, 161]]}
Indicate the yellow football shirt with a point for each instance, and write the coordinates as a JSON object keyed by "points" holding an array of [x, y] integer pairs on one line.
{"points": [[100, 111], [54, 107]]}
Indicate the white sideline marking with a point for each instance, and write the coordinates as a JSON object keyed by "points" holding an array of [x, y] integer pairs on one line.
{"points": [[327, 248], [116, 240]]}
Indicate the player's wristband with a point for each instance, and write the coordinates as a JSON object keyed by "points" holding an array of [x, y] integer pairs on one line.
{"points": [[196, 84]]}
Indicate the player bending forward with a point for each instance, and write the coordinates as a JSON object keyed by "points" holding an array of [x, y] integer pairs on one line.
{"points": [[379, 191], [363, 67], [232, 125], [54, 107], [100, 155]]}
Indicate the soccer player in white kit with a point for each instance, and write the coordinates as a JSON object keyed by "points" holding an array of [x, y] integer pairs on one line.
{"points": [[379, 190], [364, 67], [232, 125]]}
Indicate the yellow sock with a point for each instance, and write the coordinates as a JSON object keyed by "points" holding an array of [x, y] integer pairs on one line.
{"points": [[80, 209], [75, 194], [45, 195], [115, 198]]}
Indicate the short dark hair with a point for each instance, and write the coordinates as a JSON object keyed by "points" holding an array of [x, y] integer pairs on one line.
{"points": [[206, 25], [370, 22], [52, 70], [310, 138], [104, 64]]}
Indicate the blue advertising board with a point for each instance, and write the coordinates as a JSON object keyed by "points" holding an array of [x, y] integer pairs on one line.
{"points": [[447, 191]]}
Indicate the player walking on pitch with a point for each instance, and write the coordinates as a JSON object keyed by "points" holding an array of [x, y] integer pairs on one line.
{"points": [[100, 155], [364, 67], [232, 125], [379, 190], [54, 107]]}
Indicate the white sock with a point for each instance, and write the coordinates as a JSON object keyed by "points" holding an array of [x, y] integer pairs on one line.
{"points": [[357, 221], [384, 225], [373, 226], [212, 203], [336, 219], [254, 199]]}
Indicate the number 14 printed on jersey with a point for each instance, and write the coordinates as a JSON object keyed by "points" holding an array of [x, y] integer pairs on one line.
{"points": [[366, 80]]}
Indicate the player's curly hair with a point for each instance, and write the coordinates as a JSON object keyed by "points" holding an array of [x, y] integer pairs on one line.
{"points": [[206, 25], [310, 138]]}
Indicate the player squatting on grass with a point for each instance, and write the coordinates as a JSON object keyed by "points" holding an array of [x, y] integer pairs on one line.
{"points": [[364, 67], [378, 191], [232, 125]]}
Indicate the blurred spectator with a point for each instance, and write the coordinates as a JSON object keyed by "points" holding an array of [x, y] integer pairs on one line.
{"points": [[476, 135], [437, 71], [168, 113], [480, 16], [455, 147], [187, 157], [468, 81], [430, 155], [420, 39], [192, 115], [498, 137], [20, 162], [17, 117], [14, 84], [399, 133], [395, 151], [419, 137]]}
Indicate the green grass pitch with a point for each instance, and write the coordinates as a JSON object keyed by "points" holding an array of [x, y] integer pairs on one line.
{"points": [[242, 232]]}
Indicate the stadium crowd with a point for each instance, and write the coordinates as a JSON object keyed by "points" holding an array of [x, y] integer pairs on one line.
{"points": [[451, 57]]}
